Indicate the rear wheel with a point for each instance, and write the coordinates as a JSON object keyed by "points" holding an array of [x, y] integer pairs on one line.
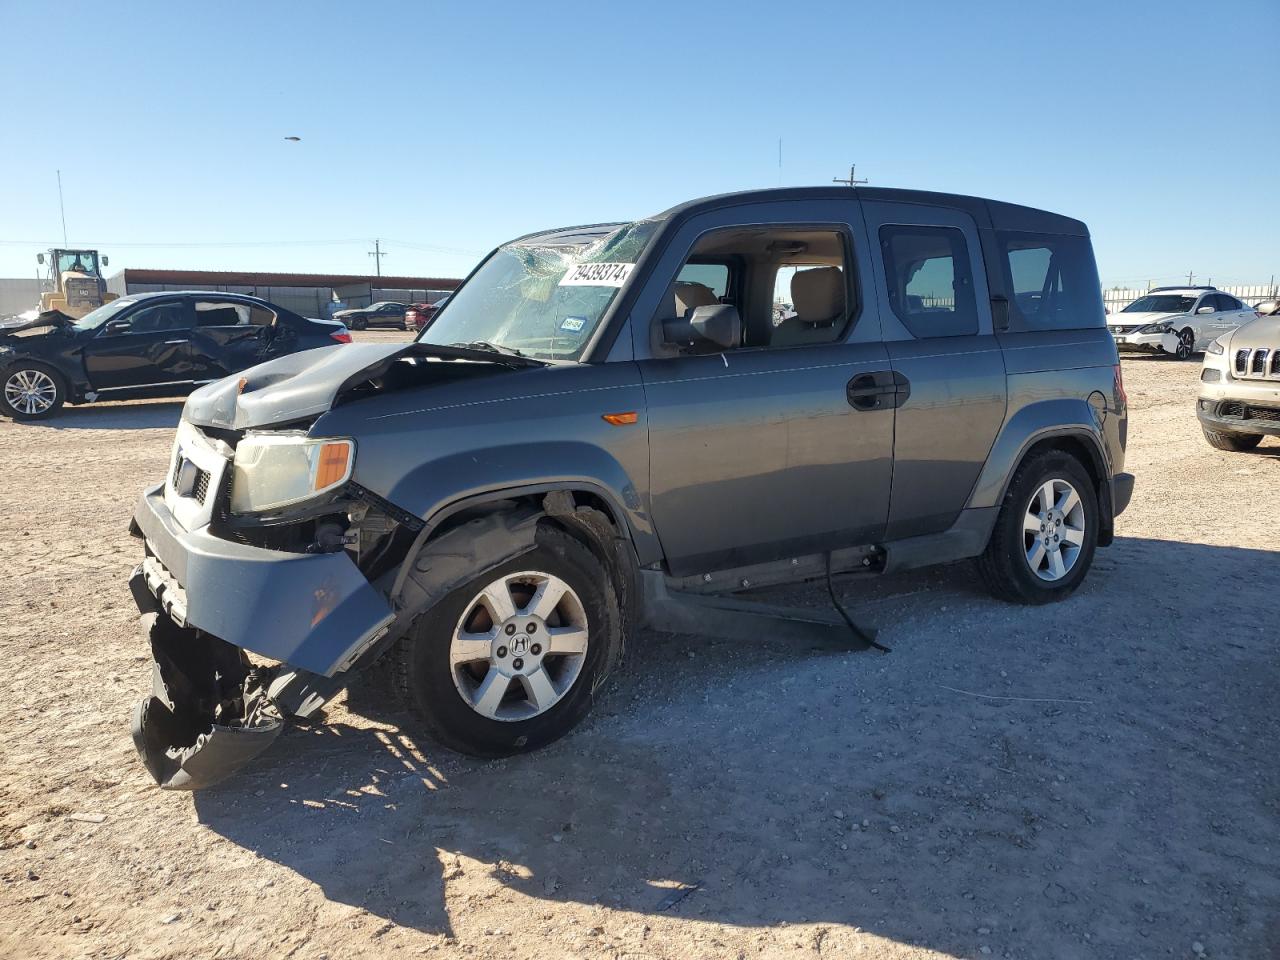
{"points": [[1235, 442], [1046, 532], [31, 391], [511, 661]]}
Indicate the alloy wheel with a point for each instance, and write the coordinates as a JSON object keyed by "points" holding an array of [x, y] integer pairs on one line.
{"points": [[519, 646], [30, 391], [1053, 530], [1186, 345]]}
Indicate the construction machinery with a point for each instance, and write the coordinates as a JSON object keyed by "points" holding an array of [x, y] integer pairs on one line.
{"points": [[74, 281]]}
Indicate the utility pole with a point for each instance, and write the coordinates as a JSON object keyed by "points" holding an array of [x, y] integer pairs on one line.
{"points": [[1190, 277], [62, 210], [377, 253], [851, 180]]}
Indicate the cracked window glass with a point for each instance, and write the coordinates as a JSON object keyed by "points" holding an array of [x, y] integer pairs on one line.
{"points": [[545, 296]]}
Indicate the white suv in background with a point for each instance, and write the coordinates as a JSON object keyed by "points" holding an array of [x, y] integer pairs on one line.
{"points": [[1178, 320]]}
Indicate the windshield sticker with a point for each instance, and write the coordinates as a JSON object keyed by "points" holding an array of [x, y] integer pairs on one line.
{"points": [[597, 275], [573, 324]]}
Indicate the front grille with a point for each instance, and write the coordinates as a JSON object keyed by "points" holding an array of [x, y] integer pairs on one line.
{"points": [[1123, 329], [1233, 409], [1239, 410], [177, 471], [1270, 414], [200, 489], [1259, 363]]}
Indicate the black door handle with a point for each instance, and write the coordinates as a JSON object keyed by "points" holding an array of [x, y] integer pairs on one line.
{"points": [[877, 391]]}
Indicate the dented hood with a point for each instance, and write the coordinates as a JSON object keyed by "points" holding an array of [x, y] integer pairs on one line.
{"points": [[304, 385], [50, 318]]}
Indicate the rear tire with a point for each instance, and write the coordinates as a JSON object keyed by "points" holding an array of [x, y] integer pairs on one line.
{"points": [[31, 391], [1235, 442], [443, 669], [1017, 565]]}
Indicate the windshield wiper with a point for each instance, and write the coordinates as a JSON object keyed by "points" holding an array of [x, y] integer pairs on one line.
{"points": [[491, 347]]}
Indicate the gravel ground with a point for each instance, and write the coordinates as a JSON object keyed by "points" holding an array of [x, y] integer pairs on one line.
{"points": [[1094, 779]]}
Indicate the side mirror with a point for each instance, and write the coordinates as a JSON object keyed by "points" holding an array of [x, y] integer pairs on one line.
{"points": [[119, 326], [39, 258], [106, 261], [1206, 310]]}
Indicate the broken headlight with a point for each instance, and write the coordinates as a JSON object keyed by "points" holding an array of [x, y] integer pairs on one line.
{"points": [[278, 469]]}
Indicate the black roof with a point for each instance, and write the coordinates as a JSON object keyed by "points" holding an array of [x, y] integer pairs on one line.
{"points": [[1003, 216]]}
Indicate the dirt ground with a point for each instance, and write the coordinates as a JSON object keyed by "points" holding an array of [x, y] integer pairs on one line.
{"points": [[1093, 779]]}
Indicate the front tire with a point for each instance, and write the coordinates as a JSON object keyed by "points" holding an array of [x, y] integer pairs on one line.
{"points": [[31, 391], [358, 323], [1235, 442], [510, 662], [1046, 532], [1186, 345]]}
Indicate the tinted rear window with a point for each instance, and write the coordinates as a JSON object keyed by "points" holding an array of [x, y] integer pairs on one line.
{"points": [[1053, 281]]}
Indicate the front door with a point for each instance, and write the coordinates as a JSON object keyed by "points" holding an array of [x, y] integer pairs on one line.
{"points": [[782, 445], [228, 336], [146, 347], [936, 313]]}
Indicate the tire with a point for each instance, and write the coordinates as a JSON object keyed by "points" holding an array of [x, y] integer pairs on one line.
{"points": [[358, 323], [1006, 564], [1235, 442], [31, 391], [449, 699], [1186, 344]]}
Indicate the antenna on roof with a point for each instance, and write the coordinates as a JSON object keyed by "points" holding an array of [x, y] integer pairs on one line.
{"points": [[851, 180]]}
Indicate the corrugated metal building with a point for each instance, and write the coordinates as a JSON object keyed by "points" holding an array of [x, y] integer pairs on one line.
{"points": [[309, 294], [19, 295]]}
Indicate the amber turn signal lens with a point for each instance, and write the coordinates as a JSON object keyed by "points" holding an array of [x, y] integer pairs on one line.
{"points": [[332, 467], [621, 419]]}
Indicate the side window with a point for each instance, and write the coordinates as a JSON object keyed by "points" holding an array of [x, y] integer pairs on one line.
{"points": [[1052, 281], [261, 316], [159, 319], [1225, 302], [714, 276], [929, 280], [805, 268], [213, 314]]}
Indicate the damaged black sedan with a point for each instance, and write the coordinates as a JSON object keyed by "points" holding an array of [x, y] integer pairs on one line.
{"points": [[145, 345]]}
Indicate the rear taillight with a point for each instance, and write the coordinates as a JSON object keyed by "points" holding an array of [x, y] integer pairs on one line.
{"points": [[1121, 396], [342, 337]]}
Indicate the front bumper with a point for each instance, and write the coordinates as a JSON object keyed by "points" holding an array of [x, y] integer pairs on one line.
{"points": [[210, 711], [1146, 342], [1245, 405], [313, 611]]}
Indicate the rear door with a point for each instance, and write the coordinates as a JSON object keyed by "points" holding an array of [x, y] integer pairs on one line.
{"points": [[228, 336], [936, 313], [765, 451], [149, 346]]}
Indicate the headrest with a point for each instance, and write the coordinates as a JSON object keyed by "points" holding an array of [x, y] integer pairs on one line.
{"points": [[818, 294], [689, 295]]}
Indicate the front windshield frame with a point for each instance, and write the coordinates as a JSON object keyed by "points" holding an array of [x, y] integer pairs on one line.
{"points": [[96, 317], [1183, 303], [547, 259]]}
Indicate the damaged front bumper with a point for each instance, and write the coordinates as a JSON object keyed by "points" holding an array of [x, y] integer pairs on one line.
{"points": [[209, 712]]}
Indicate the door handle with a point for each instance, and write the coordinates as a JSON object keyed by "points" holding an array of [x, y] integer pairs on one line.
{"points": [[881, 390]]}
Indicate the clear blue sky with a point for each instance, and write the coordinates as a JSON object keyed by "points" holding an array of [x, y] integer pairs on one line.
{"points": [[454, 126]]}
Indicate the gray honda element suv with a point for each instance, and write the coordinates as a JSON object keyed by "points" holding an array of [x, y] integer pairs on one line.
{"points": [[609, 423]]}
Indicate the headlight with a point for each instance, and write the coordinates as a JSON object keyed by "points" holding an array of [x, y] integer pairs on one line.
{"points": [[278, 469], [1216, 348], [1160, 326]]}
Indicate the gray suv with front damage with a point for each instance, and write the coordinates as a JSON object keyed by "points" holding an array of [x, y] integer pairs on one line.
{"points": [[618, 425]]}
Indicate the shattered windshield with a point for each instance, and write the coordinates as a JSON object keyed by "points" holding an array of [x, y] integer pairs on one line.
{"points": [[542, 297]]}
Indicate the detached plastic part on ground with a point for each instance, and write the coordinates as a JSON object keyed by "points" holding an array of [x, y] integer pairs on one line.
{"points": [[208, 714]]}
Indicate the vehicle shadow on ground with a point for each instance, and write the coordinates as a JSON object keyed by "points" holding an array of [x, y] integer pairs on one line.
{"points": [[1002, 778], [148, 415]]}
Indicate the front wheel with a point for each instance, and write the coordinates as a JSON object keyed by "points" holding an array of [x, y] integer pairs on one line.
{"points": [[358, 323], [31, 391], [1045, 534], [1235, 442], [511, 661], [1186, 345]]}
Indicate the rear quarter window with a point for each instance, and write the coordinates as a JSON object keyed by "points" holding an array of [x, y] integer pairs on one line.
{"points": [[1052, 281]]}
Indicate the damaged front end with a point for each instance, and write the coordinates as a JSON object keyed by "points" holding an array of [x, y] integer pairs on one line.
{"points": [[209, 712]]}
